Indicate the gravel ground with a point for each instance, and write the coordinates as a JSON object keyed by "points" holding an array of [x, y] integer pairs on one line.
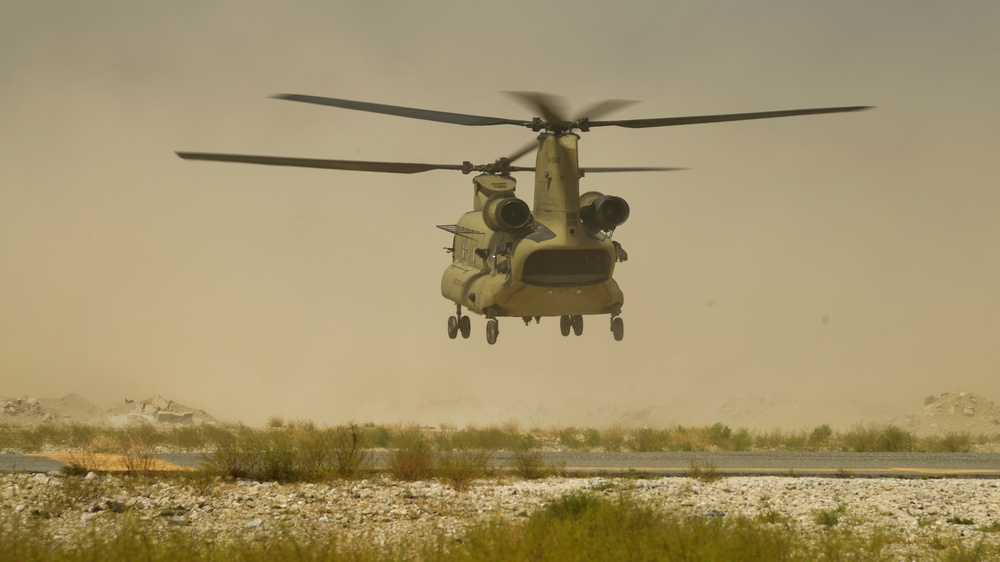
{"points": [[384, 510]]}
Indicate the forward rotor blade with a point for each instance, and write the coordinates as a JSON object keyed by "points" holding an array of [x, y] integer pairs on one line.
{"points": [[412, 113], [630, 169], [523, 150], [356, 165], [693, 120]]}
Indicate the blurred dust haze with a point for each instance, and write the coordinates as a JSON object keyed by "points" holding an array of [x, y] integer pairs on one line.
{"points": [[819, 261]]}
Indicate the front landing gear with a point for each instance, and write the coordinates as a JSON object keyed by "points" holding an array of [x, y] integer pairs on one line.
{"points": [[459, 323]]}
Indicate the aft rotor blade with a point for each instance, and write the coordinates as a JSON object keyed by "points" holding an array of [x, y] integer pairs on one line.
{"points": [[536, 100], [693, 120], [412, 113], [630, 169], [603, 108], [548, 106], [356, 165]]}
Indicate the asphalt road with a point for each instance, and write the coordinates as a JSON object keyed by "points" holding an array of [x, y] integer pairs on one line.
{"points": [[754, 463]]}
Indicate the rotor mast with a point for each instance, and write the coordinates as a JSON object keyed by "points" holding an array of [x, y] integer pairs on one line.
{"points": [[557, 181]]}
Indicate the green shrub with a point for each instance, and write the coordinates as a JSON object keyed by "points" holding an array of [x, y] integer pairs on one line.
{"points": [[704, 472], [461, 468], [591, 438], [875, 438], [350, 456], [527, 462], [742, 440], [689, 438], [770, 441], [720, 435], [570, 438], [820, 435], [949, 443], [648, 440], [613, 439], [829, 517], [413, 460], [377, 436]]}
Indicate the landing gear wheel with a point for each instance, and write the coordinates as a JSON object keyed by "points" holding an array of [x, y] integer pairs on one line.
{"points": [[577, 325], [452, 327], [618, 328], [564, 325], [492, 331], [465, 326]]}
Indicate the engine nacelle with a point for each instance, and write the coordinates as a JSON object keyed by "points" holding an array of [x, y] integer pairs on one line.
{"points": [[602, 211], [505, 213]]}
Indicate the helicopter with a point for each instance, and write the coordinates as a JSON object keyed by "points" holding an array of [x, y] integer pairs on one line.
{"points": [[553, 259]]}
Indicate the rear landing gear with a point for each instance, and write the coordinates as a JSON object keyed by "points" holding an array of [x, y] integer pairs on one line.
{"points": [[574, 323]]}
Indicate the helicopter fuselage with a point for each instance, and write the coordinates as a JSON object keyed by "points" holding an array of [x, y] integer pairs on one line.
{"points": [[557, 263]]}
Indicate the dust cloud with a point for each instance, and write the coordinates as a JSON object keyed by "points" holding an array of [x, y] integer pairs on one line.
{"points": [[844, 265]]}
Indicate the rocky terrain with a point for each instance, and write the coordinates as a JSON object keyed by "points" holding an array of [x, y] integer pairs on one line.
{"points": [[956, 412], [385, 511], [73, 408], [27, 411]]}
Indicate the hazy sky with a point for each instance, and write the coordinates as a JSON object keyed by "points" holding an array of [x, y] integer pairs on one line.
{"points": [[844, 257]]}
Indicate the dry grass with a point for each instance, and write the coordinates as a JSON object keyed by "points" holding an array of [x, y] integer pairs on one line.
{"points": [[109, 462]]}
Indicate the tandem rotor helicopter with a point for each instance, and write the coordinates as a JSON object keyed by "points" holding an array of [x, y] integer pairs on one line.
{"points": [[554, 259]]}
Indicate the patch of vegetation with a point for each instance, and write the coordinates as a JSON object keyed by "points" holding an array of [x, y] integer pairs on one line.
{"points": [[993, 527], [287, 451], [948, 443], [74, 469], [844, 473], [413, 458], [299, 453], [829, 517], [648, 440], [778, 440], [873, 438], [774, 517], [489, 438], [742, 440], [704, 472], [820, 436], [461, 468], [528, 464], [613, 439]]}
